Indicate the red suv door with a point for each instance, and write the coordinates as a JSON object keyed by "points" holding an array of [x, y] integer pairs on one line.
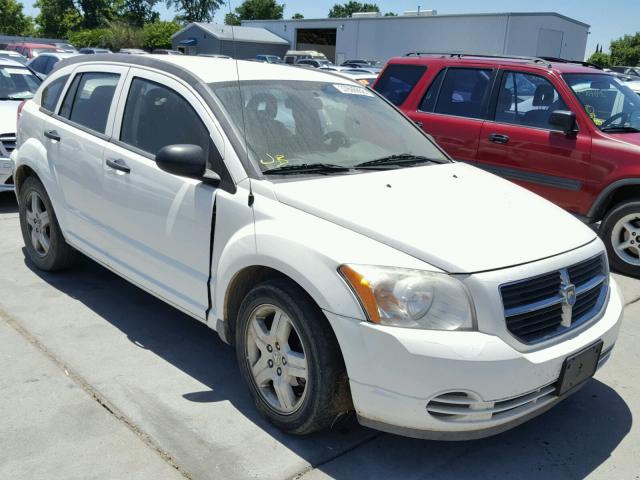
{"points": [[453, 109], [518, 143]]}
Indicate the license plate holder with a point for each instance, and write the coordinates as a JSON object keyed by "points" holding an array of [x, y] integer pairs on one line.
{"points": [[578, 368]]}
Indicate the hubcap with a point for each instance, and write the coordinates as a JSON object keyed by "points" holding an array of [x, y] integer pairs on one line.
{"points": [[38, 224], [624, 238], [276, 358]]}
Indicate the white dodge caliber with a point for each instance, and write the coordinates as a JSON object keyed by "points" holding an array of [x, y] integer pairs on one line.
{"points": [[350, 262]]}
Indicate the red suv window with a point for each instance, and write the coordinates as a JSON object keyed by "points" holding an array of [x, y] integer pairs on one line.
{"points": [[397, 81], [461, 92]]}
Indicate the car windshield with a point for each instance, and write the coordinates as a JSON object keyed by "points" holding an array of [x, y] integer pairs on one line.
{"points": [[301, 122], [607, 100], [17, 83]]}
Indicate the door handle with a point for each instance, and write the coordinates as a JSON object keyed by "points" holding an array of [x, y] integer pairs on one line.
{"points": [[118, 164], [52, 134], [498, 138]]}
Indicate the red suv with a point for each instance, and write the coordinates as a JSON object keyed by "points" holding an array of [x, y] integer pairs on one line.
{"points": [[567, 131]]}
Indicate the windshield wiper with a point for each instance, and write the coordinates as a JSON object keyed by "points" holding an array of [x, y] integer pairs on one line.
{"points": [[620, 129], [399, 159], [322, 168]]}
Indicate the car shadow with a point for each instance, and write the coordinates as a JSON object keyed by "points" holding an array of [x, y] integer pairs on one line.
{"points": [[8, 203], [570, 440]]}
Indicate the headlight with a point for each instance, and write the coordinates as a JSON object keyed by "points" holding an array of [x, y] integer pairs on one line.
{"points": [[411, 298]]}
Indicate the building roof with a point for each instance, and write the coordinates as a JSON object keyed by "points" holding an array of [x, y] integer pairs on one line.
{"points": [[240, 34], [424, 17]]}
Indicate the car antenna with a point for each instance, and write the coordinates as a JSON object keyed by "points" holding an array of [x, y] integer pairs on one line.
{"points": [[244, 124]]}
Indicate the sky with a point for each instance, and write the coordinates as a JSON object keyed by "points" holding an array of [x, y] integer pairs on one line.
{"points": [[608, 21]]}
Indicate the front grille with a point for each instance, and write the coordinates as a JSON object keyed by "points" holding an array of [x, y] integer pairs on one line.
{"points": [[538, 308], [7, 144]]}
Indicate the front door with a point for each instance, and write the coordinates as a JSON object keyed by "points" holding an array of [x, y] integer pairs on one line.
{"points": [[521, 145], [158, 225]]}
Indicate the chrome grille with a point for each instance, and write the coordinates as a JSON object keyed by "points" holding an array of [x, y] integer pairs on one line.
{"points": [[7, 144], [539, 308]]}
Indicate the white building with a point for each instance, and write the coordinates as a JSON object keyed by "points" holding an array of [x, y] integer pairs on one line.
{"points": [[380, 38]]}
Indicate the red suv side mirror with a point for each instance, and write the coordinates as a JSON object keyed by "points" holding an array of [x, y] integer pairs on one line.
{"points": [[565, 120]]}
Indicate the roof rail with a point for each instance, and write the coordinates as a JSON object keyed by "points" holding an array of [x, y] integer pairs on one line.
{"points": [[541, 60], [577, 62]]}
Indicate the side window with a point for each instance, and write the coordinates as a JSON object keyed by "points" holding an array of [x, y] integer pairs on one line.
{"points": [[397, 81], [528, 100], [38, 64], [429, 101], [88, 100], [51, 62], [463, 91], [51, 93]]}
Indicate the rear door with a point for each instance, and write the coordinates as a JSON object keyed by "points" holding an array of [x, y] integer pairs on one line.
{"points": [[518, 142], [75, 138], [454, 107]]}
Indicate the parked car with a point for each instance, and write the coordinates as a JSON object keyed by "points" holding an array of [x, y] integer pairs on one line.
{"points": [[293, 56], [164, 51], [65, 47], [634, 86], [213, 55], [45, 62], [563, 130], [366, 79], [314, 62], [32, 50], [269, 58], [93, 50], [632, 71], [348, 259], [133, 51], [13, 55], [362, 64], [17, 83]]}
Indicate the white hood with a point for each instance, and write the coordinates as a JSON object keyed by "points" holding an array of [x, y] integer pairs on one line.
{"points": [[452, 216], [8, 112]]}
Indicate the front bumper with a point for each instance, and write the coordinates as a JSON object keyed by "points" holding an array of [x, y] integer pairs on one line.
{"points": [[6, 174], [396, 373]]}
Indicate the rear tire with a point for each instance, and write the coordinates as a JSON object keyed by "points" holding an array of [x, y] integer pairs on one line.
{"points": [[43, 239], [620, 232], [290, 359]]}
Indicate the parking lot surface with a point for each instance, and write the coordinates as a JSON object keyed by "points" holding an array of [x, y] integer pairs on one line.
{"points": [[101, 380]]}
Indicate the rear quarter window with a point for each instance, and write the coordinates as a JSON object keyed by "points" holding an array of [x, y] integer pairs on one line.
{"points": [[51, 93], [397, 81]]}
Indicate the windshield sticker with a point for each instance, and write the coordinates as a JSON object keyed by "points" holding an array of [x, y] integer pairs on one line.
{"points": [[352, 90], [274, 160]]}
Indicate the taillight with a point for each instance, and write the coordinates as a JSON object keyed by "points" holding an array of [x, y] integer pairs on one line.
{"points": [[20, 106]]}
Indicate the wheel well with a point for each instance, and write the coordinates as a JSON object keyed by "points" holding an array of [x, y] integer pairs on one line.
{"points": [[239, 287], [21, 174], [618, 196]]}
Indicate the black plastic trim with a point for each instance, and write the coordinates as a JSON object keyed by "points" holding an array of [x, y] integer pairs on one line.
{"points": [[596, 210], [541, 179]]}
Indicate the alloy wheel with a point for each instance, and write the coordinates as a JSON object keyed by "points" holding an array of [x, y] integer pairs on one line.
{"points": [[625, 236], [276, 359], [38, 224]]}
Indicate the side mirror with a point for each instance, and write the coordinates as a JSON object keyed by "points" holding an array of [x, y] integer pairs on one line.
{"points": [[186, 160], [565, 120]]}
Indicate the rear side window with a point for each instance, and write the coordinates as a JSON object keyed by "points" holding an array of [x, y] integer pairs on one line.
{"points": [[528, 100], [51, 93], [429, 101], [397, 81], [50, 64], [39, 64], [463, 92], [88, 100]]}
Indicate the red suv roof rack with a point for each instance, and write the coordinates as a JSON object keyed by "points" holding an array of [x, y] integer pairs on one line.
{"points": [[539, 60], [577, 62]]}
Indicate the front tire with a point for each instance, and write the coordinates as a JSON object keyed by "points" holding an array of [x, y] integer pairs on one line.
{"points": [[290, 359], [41, 233], [620, 232]]}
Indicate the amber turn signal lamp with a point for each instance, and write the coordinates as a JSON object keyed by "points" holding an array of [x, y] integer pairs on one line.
{"points": [[364, 292]]}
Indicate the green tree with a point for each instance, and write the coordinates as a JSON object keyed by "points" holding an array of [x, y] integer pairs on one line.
{"points": [[260, 10], [95, 37], [231, 19], [13, 21], [158, 34], [96, 13], [390, 14], [601, 59], [626, 50], [297, 16], [138, 12], [195, 10], [57, 17], [347, 9]]}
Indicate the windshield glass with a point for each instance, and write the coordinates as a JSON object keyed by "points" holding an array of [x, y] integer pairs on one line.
{"points": [[607, 101], [302, 122], [17, 83]]}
